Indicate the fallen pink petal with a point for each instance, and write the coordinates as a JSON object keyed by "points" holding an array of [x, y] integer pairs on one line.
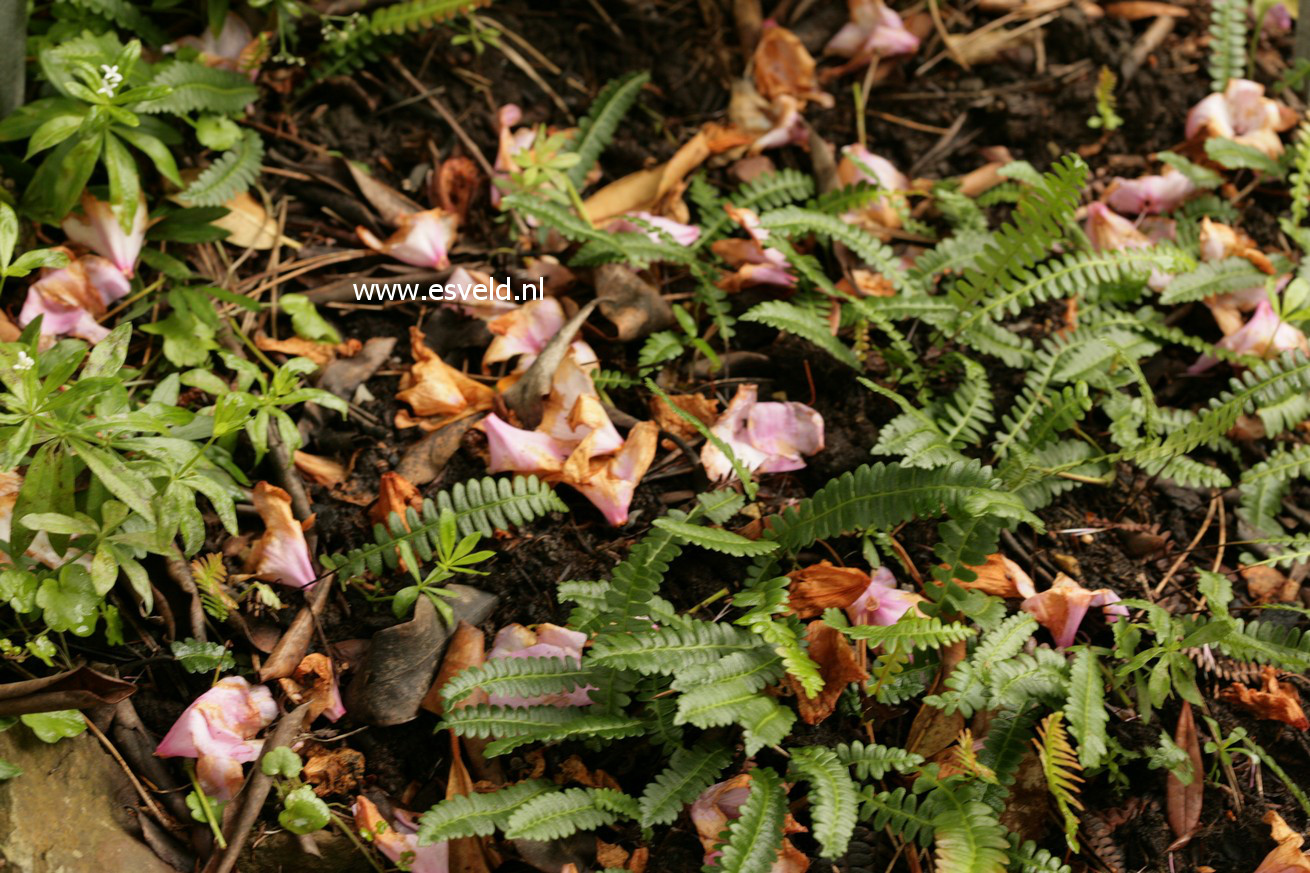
{"points": [[218, 730], [874, 29], [98, 228], [422, 239], [397, 839], [882, 603], [281, 555], [768, 437]]}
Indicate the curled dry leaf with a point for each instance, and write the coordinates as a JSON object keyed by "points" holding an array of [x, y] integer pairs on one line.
{"points": [[343, 376], [319, 353], [281, 555], [316, 682], [434, 388], [837, 665], [457, 182], [1269, 585], [1001, 577], [324, 471], [630, 302], [395, 494], [705, 409], [1287, 857], [783, 67], [81, 688], [338, 769], [1274, 700], [825, 586], [1183, 802], [646, 190]]}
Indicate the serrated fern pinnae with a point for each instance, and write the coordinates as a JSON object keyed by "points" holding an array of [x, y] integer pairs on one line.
{"points": [[1027, 857], [1061, 768], [411, 16], [834, 801], [967, 837], [689, 772], [126, 15], [1263, 642], [715, 539], [234, 171], [1212, 278], [753, 838], [901, 811], [1264, 485], [1085, 708], [479, 505], [805, 323], [200, 88], [557, 814], [911, 633], [1227, 42], [798, 221], [596, 130], [478, 815], [770, 190], [1299, 190], [518, 677], [669, 649], [873, 761], [538, 724]]}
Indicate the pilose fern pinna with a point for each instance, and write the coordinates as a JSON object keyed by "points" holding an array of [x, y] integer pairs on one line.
{"points": [[716, 694]]}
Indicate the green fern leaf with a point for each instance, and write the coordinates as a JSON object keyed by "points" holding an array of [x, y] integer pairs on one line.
{"points": [[1060, 766], [198, 88], [234, 171], [1227, 42], [796, 221], [807, 324], [1085, 708], [558, 814], [597, 129], [911, 633], [689, 772], [753, 838], [715, 539], [1264, 486], [873, 761], [834, 804], [518, 677], [670, 649], [766, 722], [411, 16], [478, 815], [968, 838]]}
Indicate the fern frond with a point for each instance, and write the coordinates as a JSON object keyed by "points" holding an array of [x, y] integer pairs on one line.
{"points": [[1085, 708], [1227, 42], [848, 198], [478, 815], [210, 574], [670, 649], [1211, 278], [1006, 744], [1264, 486], [234, 171], [689, 772], [715, 539], [967, 837], [766, 191], [1263, 642], [805, 323], [759, 667], [911, 633], [786, 637], [1061, 768], [199, 88], [538, 723], [873, 761], [1028, 858], [480, 505], [707, 706], [765, 722], [793, 221], [1004, 641], [753, 838], [1234, 155], [902, 812], [952, 255], [1039, 676], [126, 15], [411, 16], [1299, 189], [834, 803], [558, 814], [518, 677], [597, 129]]}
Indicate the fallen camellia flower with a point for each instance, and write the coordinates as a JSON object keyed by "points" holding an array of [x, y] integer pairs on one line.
{"points": [[858, 164], [873, 31], [1150, 194], [522, 451], [1061, 608], [422, 238], [721, 803], [315, 681], [1274, 700], [98, 228], [784, 67], [547, 641], [1265, 336], [765, 437], [683, 234], [523, 332], [397, 839], [1243, 114], [573, 409], [756, 263], [217, 730], [1287, 857], [434, 388], [610, 483], [71, 298], [281, 555], [234, 48], [1219, 241], [882, 603]]}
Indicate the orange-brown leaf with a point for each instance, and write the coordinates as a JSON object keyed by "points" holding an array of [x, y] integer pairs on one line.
{"points": [[823, 586], [395, 494], [1274, 700], [837, 664], [1184, 801], [1287, 857], [467, 648]]}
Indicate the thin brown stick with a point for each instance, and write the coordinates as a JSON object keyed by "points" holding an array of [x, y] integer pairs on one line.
{"points": [[164, 818], [1178, 562], [450, 119]]}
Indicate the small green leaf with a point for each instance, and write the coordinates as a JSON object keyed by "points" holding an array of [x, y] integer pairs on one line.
{"points": [[9, 771], [281, 762], [303, 812], [200, 657], [716, 539], [51, 727], [69, 601]]}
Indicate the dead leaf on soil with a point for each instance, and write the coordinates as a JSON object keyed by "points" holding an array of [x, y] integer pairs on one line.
{"points": [[424, 460], [837, 664], [343, 375], [324, 471], [319, 353], [1184, 801], [574, 770], [434, 388], [630, 302], [467, 648], [314, 682], [386, 201], [1001, 577], [1274, 700], [1136, 10], [338, 769], [1287, 857], [81, 688], [643, 190], [457, 182], [824, 586], [395, 494], [706, 409], [1269, 585]]}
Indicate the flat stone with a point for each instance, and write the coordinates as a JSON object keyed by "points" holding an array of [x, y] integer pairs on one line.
{"points": [[70, 811]]}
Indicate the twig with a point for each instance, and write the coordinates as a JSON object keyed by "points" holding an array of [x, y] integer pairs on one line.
{"points": [[164, 818], [448, 117], [1178, 562]]}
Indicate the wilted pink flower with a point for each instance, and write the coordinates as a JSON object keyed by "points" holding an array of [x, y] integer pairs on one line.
{"points": [[882, 603], [422, 239], [524, 331], [765, 437], [522, 451], [511, 143], [217, 730], [1243, 114], [1151, 194], [858, 164], [788, 125], [1265, 336], [683, 234], [98, 229], [1109, 231], [398, 839], [1277, 19], [573, 410], [874, 30], [756, 262], [73, 297], [281, 555], [610, 483], [234, 48], [547, 641], [1061, 608]]}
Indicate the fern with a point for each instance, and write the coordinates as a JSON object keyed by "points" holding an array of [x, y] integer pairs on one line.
{"points": [[765, 722], [900, 811], [1085, 708], [1028, 858], [518, 677], [804, 323], [478, 815], [834, 803], [766, 191], [1299, 191], [480, 505], [1264, 486], [797, 221], [786, 637], [715, 539], [198, 88], [1233, 155], [1212, 278], [412, 16], [1267, 643], [689, 772], [721, 703], [967, 836], [126, 15], [1060, 767], [557, 814], [597, 129], [210, 574], [636, 579], [234, 171], [757, 667], [670, 649], [536, 723], [1227, 42], [753, 838], [911, 633], [848, 198], [872, 761], [1006, 744]]}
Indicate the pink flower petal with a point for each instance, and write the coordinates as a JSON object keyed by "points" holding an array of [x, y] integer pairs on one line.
{"points": [[1152, 194], [524, 330], [98, 229], [281, 555], [521, 451], [874, 29], [218, 729], [768, 437], [71, 297], [610, 484], [398, 839], [858, 164], [422, 239], [1242, 113], [882, 603]]}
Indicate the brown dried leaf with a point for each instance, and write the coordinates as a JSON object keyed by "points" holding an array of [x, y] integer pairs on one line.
{"points": [[1268, 585], [1184, 801], [837, 664], [319, 353], [81, 688], [573, 769], [314, 682], [324, 471], [783, 66], [1002, 577], [642, 190], [1276, 701], [436, 388], [706, 409], [630, 302], [395, 494], [1136, 10], [1287, 857], [457, 182], [335, 770], [823, 586], [467, 648]]}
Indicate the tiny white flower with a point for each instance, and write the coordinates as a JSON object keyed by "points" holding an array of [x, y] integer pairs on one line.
{"points": [[112, 79], [25, 361]]}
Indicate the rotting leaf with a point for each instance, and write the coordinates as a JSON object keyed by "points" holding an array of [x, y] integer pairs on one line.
{"points": [[630, 302], [825, 586], [1274, 700], [835, 656], [1183, 802], [1287, 857]]}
